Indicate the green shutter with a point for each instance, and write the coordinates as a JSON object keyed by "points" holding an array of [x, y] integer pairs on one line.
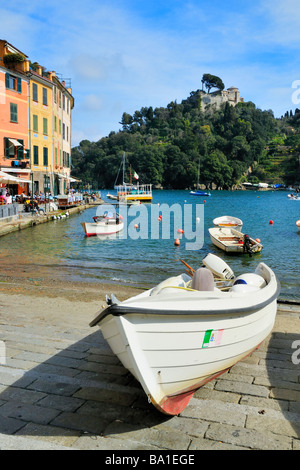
{"points": [[35, 123], [13, 112], [35, 155], [20, 150], [6, 147], [7, 80], [19, 85]]}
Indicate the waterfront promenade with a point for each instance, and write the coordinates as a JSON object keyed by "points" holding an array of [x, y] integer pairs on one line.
{"points": [[62, 388], [26, 220]]}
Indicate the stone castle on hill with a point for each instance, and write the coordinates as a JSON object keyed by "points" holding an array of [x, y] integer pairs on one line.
{"points": [[231, 95]]}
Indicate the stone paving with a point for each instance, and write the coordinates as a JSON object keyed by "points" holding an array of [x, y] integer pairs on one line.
{"points": [[62, 388]]}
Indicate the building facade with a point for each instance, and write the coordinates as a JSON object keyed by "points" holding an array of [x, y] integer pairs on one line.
{"points": [[14, 119], [35, 123], [40, 130]]}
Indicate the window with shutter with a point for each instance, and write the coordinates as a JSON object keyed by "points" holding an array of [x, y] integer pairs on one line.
{"points": [[20, 150], [35, 123], [35, 155], [34, 92], [6, 147], [45, 99], [45, 155], [45, 126], [13, 112]]}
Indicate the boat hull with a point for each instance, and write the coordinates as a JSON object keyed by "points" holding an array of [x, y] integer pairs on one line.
{"points": [[228, 221], [99, 228], [230, 240], [195, 193], [179, 356], [136, 197], [176, 341]]}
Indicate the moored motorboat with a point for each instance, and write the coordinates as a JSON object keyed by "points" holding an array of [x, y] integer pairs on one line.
{"points": [[234, 241], [111, 196], [106, 224], [228, 221], [199, 193], [182, 333]]}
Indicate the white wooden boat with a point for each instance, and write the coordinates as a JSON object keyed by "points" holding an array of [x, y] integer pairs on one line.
{"points": [[111, 196], [179, 335], [103, 225], [228, 221], [234, 241]]}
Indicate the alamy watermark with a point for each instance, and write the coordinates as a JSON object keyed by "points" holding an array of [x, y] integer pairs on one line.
{"points": [[296, 93], [163, 221], [2, 353], [296, 354]]}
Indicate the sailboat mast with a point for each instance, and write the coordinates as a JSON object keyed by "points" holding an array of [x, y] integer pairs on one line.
{"points": [[123, 168]]}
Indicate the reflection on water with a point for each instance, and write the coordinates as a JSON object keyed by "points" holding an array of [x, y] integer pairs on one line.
{"points": [[60, 248]]}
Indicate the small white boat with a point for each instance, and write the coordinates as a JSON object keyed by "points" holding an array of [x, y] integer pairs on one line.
{"points": [[228, 221], [111, 196], [294, 197], [104, 225], [234, 241], [176, 337]]}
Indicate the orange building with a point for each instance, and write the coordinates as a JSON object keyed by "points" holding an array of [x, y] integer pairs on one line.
{"points": [[14, 119], [35, 124]]}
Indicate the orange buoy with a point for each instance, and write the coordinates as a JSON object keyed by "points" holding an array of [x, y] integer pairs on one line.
{"points": [[177, 242], [257, 240], [180, 230], [298, 223], [136, 226], [204, 201], [271, 222]]}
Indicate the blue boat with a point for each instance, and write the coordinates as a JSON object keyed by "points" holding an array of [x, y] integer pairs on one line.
{"points": [[199, 193]]}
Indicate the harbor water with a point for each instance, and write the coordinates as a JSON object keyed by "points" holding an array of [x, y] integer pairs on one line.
{"points": [[60, 250]]}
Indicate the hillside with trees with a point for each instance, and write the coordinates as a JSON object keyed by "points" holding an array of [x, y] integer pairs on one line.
{"points": [[164, 145]]}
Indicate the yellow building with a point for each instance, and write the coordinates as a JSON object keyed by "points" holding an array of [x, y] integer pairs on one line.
{"points": [[50, 106], [63, 103], [40, 129]]}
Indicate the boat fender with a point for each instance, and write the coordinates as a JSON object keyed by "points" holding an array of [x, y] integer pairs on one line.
{"points": [[250, 279], [243, 288]]}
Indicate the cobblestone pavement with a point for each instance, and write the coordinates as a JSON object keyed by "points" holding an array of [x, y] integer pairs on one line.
{"points": [[62, 388]]}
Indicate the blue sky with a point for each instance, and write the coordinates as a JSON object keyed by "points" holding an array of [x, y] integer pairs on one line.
{"points": [[122, 55]]}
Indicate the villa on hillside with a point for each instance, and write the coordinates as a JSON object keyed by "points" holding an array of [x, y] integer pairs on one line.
{"points": [[231, 95]]}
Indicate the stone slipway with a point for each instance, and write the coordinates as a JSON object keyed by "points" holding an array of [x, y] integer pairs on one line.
{"points": [[62, 388]]}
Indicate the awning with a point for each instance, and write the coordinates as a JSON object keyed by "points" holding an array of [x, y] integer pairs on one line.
{"points": [[5, 178], [15, 142], [73, 180], [60, 175]]}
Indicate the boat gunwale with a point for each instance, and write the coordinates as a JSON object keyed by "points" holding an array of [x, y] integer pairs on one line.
{"points": [[117, 310]]}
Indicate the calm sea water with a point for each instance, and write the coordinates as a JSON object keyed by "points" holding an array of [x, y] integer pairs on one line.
{"points": [[61, 250]]}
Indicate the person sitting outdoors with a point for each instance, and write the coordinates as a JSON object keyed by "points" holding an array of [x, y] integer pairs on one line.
{"points": [[8, 198]]}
